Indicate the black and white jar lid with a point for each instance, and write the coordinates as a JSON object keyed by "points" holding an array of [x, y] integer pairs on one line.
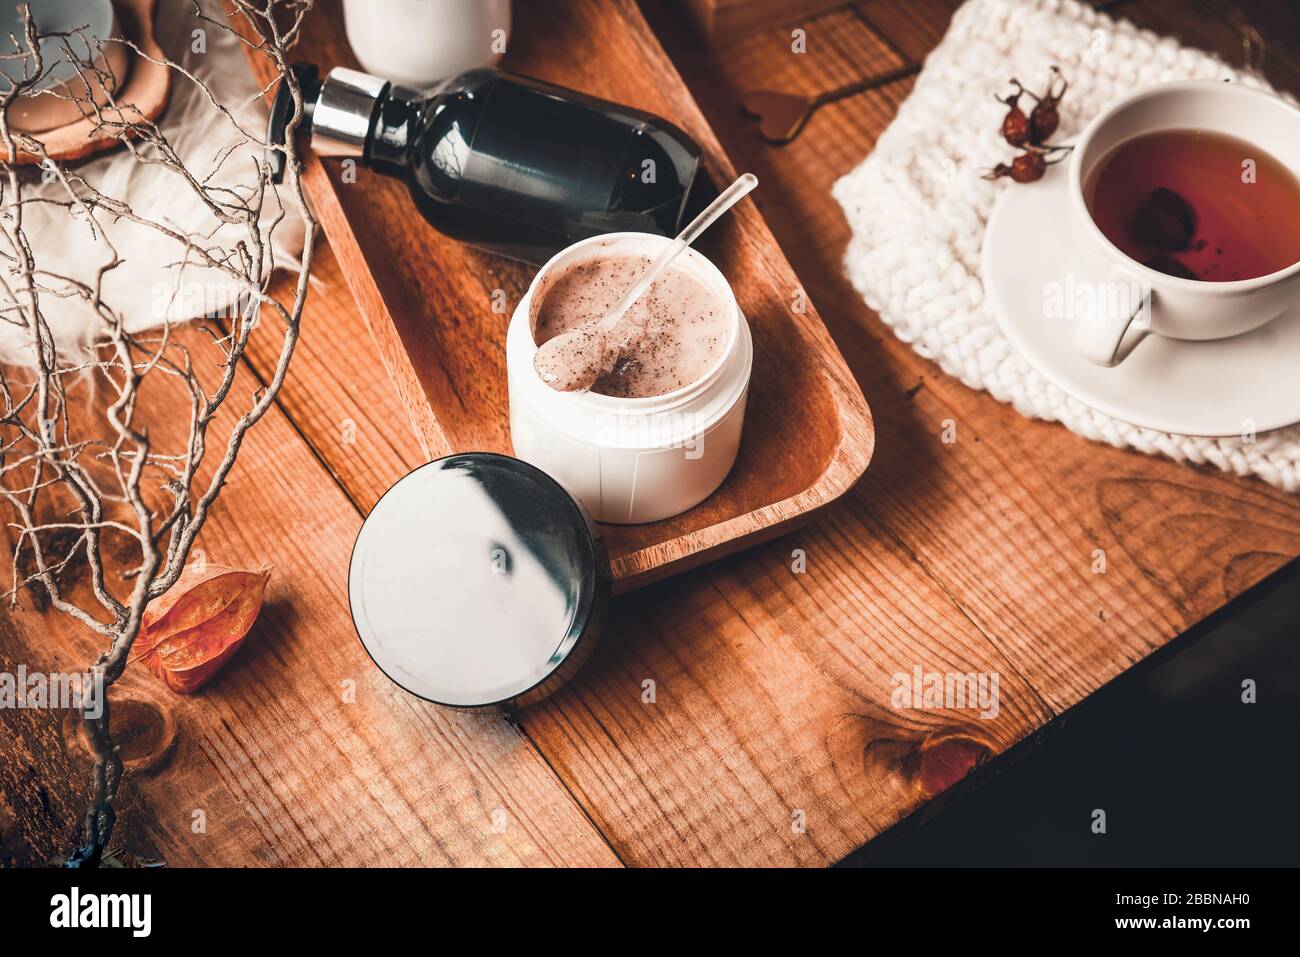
{"points": [[477, 581]]}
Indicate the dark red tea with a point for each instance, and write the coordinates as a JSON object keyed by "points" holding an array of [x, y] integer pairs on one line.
{"points": [[1187, 203]]}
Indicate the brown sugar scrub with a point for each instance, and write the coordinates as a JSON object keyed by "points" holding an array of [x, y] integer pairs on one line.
{"points": [[669, 338], [646, 457]]}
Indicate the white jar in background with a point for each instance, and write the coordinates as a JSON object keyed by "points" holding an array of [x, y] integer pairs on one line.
{"points": [[631, 460], [419, 42]]}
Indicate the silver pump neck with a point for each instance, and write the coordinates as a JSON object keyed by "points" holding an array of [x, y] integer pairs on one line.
{"points": [[341, 120]]}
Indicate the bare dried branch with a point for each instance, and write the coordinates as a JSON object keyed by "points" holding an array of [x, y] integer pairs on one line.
{"points": [[75, 472]]}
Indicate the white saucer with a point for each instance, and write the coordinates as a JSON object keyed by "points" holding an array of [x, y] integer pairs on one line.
{"points": [[1216, 388]]}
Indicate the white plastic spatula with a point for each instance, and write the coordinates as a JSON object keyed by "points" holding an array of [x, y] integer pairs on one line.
{"points": [[574, 360]]}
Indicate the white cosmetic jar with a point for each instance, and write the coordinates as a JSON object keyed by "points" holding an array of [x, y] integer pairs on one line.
{"points": [[419, 42], [630, 460]]}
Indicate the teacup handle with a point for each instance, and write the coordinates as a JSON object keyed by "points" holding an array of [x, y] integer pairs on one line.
{"points": [[1102, 335]]}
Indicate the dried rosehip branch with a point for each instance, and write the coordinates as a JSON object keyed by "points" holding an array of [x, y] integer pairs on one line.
{"points": [[1030, 133], [91, 493], [1029, 165]]}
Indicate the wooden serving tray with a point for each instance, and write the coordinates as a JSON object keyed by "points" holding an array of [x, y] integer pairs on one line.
{"points": [[429, 302]]}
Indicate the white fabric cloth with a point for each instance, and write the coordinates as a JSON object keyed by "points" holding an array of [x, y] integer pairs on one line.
{"points": [[917, 205], [143, 288]]}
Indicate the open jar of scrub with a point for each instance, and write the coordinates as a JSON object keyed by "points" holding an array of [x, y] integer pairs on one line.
{"points": [[658, 433]]}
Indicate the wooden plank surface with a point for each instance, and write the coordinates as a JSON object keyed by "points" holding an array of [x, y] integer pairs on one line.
{"points": [[770, 736], [1008, 516], [723, 21], [772, 687], [300, 752], [440, 330]]}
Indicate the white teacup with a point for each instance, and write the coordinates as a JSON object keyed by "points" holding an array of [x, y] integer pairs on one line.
{"points": [[1148, 300]]}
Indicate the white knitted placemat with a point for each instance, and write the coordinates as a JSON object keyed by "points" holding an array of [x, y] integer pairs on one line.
{"points": [[917, 205]]}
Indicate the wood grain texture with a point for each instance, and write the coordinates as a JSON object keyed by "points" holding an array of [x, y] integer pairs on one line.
{"points": [[772, 689], [1008, 516], [843, 44], [442, 339], [911, 27], [299, 752], [339, 396], [772, 736], [998, 529], [724, 21]]}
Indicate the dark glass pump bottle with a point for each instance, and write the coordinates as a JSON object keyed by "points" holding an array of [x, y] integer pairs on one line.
{"points": [[509, 164]]}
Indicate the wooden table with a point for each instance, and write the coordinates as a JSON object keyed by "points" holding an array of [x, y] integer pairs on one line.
{"points": [[770, 737]]}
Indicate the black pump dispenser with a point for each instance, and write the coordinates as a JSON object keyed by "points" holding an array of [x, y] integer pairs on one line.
{"points": [[509, 164]]}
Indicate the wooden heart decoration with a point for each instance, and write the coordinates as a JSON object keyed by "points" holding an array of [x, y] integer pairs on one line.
{"points": [[780, 115]]}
